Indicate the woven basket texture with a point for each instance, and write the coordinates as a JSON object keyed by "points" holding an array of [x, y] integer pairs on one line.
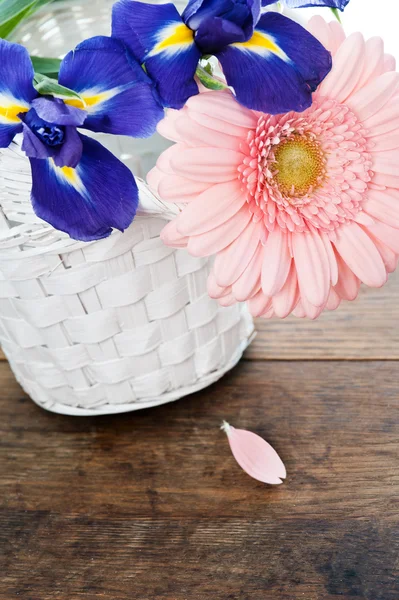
{"points": [[114, 325]]}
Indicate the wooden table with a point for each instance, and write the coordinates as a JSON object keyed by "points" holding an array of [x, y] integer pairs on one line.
{"points": [[151, 505]]}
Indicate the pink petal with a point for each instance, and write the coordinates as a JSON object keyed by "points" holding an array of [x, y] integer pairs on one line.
{"points": [[384, 120], [389, 63], [214, 290], [173, 188], [381, 179], [361, 255], [384, 206], [269, 314], [249, 282], [337, 35], [154, 178], [386, 234], [231, 262], [384, 180], [215, 240], [386, 163], [227, 300], [388, 256], [333, 300], [259, 304], [389, 126], [218, 125], [388, 141], [312, 267], [276, 262], [285, 301], [331, 35], [167, 128], [374, 96], [224, 107], [299, 311], [363, 219], [212, 208], [347, 69], [321, 31], [374, 61], [198, 135], [171, 237], [312, 312], [207, 164], [164, 160], [331, 258], [348, 284], [255, 456]]}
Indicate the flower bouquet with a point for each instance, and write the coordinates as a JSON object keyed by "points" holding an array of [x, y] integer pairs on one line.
{"points": [[283, 165]]}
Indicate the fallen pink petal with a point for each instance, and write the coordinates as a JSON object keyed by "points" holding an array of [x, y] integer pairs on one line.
{"points": [[255, 456]]}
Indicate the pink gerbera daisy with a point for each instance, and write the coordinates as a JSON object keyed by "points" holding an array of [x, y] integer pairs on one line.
{"points": [[300, 209]]}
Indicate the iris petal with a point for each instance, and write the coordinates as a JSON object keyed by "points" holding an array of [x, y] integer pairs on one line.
{"points": [[218, 23], [120, 98], [16, 89], [54, 110], [215, 33], [278, 68], [89, 201], [157, 37], [32, 146], [308, 56], [8, 132], [340, 4]]}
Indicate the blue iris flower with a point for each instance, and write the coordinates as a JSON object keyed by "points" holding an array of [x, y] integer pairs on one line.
{"points": [[77, 185], [272, 63], [340, 4]]}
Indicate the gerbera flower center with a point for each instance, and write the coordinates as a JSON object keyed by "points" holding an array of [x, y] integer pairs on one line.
{"points": [[299, 166], [305, 171]]}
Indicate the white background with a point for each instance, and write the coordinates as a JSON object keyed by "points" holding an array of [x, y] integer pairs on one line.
{"points": [[371, 17]]}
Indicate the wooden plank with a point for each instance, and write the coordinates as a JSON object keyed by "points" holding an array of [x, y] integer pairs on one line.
{"points": [[151, 505], [363, 330]]}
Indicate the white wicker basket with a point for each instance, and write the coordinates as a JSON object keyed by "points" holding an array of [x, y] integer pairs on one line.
{"points": [[109, 326]]}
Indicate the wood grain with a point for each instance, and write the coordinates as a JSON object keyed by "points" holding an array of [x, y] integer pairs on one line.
{"points": [[151, 505], [362, 330]]}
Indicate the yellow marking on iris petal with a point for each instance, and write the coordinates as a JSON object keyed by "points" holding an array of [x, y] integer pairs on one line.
{"points": [[69, 174], [97, 98], [92, 98], [72, 178], [173, 35], [10, 113], [76, 102], [260, 42]]}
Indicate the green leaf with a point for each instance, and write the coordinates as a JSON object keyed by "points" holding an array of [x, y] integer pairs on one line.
{"points": [[7, 28], [208, 80], [50, 87], [46, 66], [335, 12], [13, 12], [11, 8]]}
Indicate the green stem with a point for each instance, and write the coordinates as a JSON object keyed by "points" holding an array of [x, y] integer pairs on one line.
{"points": [[206, 78], [335, 12]]}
